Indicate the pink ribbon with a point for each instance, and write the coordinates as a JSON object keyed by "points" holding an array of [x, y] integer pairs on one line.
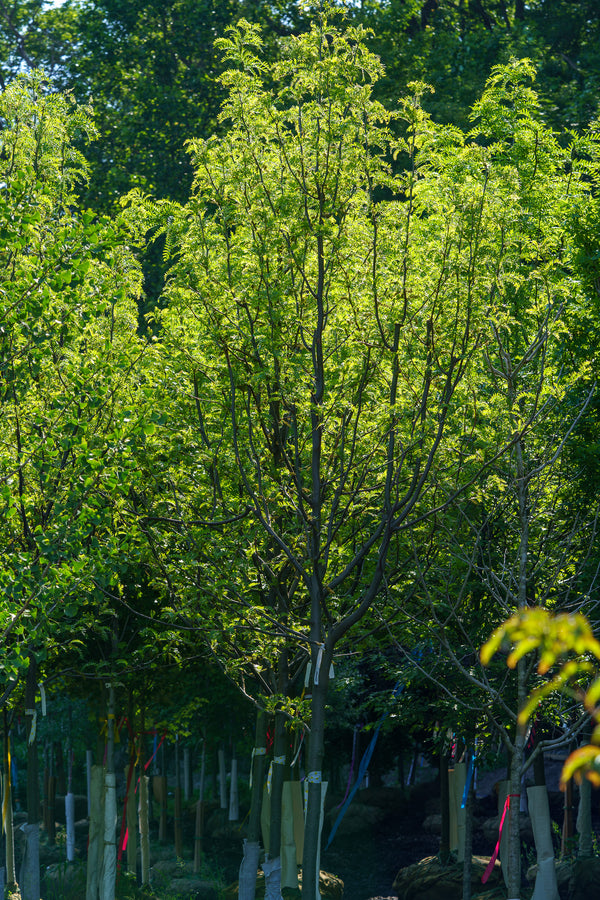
{"points": [[492, 862]]}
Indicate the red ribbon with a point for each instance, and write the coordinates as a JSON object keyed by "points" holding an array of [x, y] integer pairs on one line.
{"points": [[492, 862]]}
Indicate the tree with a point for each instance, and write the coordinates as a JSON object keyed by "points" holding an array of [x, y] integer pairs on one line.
{"points": [[34, 36], [320, 318], [454, 47], [68, 351], [518, 536], [151, 68]]}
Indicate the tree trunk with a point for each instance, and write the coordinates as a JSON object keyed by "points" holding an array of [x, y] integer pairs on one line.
{"points": [[177, 822], [59, 768], [51, 809], [11, 877], [234, 808], [567, 829], [445, 809], [514, 791], [30, 872], [314, 777], [144, 829], [280, 771], [187, 774], [272, 865], [109, 862], [546, 885], [249, 865], [467, 862], [96, 832], [131, 817], [584, 819], [200, 814], [144, 806], [222, 779]]}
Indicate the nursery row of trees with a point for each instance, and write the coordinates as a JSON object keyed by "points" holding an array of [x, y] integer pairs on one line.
{"points": [[358, 423]]}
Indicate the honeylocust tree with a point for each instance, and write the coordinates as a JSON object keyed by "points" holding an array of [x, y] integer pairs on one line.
{"points": [[321, 316]]}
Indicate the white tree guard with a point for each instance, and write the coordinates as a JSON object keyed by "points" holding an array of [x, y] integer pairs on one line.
{"points": [[234, 813], [109, 866], [30, 866], [292, 833], [70, 820], [272, 870], [321, 817], [96, 832], [248, 870], [546, 886]]}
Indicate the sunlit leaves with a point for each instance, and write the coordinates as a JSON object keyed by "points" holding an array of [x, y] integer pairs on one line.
{"points": [[68, 342], [555, 637]]}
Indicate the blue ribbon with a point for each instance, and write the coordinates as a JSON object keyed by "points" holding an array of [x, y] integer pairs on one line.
{"points": [[364, 763]]}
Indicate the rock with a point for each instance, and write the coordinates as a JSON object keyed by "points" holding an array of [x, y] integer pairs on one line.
{"points": [[218, 825], [585, 878], [563, 877], [490, 829], [191, 886], [63, 879], [496, 893], [429, 880], [433, 824], [358, 816], [81, 809], [165, 867]]}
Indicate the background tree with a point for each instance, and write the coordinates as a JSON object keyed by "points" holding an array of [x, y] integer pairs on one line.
{"points": [[454, 47]]}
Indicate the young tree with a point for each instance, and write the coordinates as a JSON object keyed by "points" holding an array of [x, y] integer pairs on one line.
{"points": [[68, 347], [519, 537], [322, 314]]}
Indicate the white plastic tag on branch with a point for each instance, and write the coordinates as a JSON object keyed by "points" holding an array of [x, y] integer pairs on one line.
{"points": [[307, 675], [295, 759], [43, 698], [311, 778], [256, 751], [33, 714], [318, 663]]}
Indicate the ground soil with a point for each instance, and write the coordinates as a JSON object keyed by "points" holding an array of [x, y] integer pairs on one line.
{"points": [[381, 834], [369, 861]]}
